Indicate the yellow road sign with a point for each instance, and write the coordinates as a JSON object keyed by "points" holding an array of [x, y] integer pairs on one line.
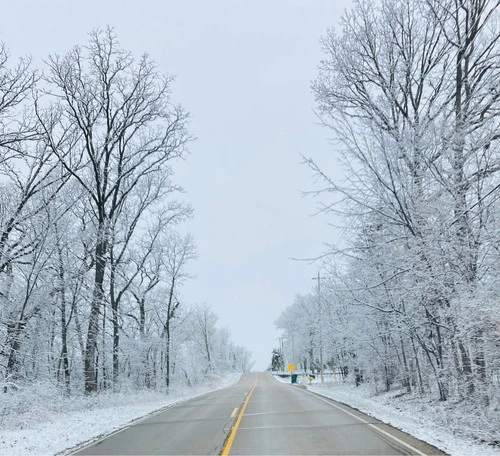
{"points": [[291, 367]]}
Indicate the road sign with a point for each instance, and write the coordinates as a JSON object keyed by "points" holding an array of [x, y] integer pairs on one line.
{"points": [[291, 367]]}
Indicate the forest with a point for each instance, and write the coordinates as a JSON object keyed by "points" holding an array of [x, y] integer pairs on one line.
{"points": [[409, 298], [93, 252]]}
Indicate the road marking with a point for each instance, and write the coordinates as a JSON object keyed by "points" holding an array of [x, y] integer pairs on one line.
{"points": [[291, 426], [234, 430], [235, 411], [387, 434]]}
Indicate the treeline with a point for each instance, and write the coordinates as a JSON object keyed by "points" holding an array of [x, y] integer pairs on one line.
{"points": [[91, 257], [410, 297]]}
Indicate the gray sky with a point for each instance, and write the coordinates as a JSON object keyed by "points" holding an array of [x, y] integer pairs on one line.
{"points": [[243, 71]]}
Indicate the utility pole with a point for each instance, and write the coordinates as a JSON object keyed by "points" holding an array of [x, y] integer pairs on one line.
{"points": [[320, 328], [282, 354]]}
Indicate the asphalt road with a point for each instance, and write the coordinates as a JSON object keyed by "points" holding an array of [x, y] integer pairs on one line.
{"points": [[260, 416]]}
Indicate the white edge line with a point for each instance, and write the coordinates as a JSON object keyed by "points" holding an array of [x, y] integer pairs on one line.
{"points": [[235, 412], [388, 434]]}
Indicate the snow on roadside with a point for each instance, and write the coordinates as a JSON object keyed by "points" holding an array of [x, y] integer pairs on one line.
{"points": [[47, 427], [426, 421]]}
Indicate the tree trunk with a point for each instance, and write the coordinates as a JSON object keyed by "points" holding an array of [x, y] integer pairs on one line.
{"points": [[64, 324], [14, 331], [116, 327], [167, 333], [405, 365], [90, 364]]}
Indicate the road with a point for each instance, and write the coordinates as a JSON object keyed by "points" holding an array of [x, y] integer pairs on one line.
{"points": [[260, 415]]}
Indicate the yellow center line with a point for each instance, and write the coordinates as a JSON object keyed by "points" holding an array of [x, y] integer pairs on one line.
{"points": [[234, 430]]}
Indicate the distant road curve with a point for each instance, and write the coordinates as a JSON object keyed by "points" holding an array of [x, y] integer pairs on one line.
{"points": [[260, 416]]}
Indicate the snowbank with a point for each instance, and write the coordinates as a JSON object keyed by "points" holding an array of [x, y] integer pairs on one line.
{"points": [[447, 426]]}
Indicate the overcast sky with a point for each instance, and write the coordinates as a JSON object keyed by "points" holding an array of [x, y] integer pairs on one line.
{"points": [[243, 70]]}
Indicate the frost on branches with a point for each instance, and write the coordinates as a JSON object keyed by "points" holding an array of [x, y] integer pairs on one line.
{"points": [[411, 298], [92, 259]]}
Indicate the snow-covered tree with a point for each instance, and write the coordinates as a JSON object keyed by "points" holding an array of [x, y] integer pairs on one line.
{"points": [[408, 90]]}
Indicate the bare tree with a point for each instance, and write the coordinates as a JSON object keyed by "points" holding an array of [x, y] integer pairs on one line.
{"points": [[117, 128], [147, 255], [178, 251], [16, 85]]}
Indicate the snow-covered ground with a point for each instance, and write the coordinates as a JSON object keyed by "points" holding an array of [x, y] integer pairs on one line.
{"points": [[46, 423], [450, 428]]}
